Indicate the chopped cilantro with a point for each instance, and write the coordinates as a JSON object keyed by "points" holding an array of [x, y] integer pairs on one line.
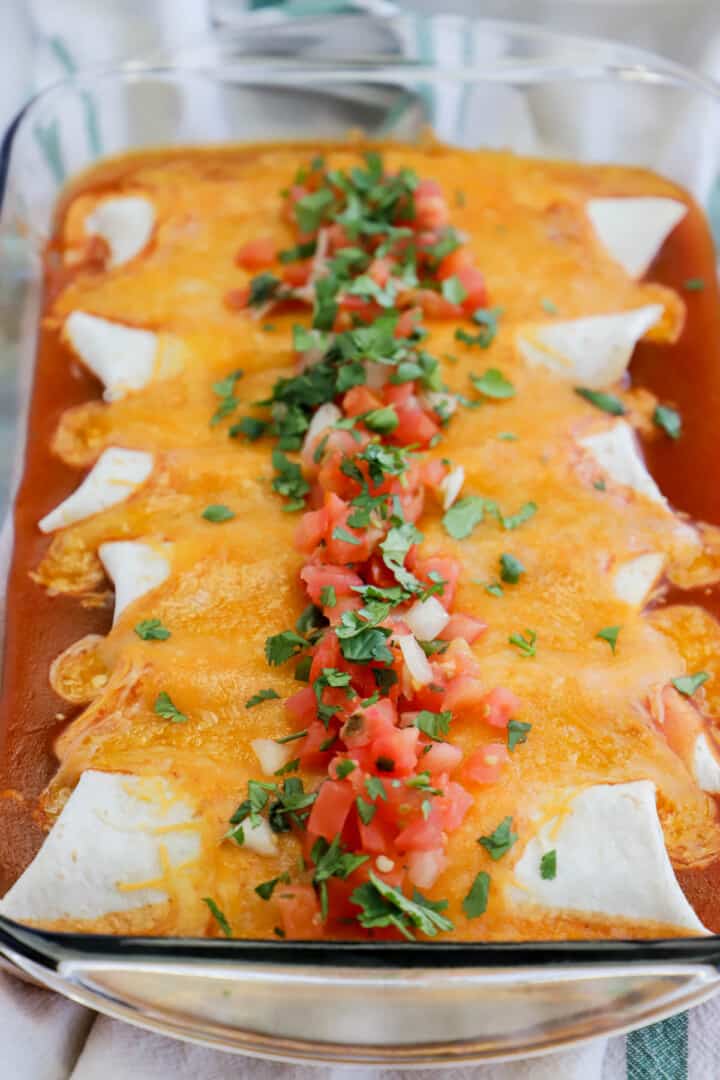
{"points": [[262, 695], [609, 634], [434, 725], [218, 513], [688, 684], [476, 901], [296, 254], [511, 569], [549, 306], [164, 707], [517, 732], [250, 427], [263, 288], [347, 537], [487, 318], [493, 384], [218, 916], [462, 517], [514, 521], [311, 210], [328, 596], [383, 421], [267, 888], [524, 642], [281, 647], [694, 284], [453, 290], [366, 810], [492, 588], [668, 420], [291, 738], [507, 436], [289, 480], [608, 403], [499, 842], [152, 630], [382, 905], [344, 768], [375, 788], [548, 865]]}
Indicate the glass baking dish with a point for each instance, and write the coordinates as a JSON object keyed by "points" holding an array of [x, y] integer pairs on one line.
{"points": [[476, 83]]}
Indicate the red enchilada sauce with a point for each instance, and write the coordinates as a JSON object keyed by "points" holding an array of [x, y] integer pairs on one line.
{"points": [[40, 626]]}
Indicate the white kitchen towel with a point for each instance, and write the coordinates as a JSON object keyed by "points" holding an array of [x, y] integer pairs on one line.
{"points": [[45, 1037]]}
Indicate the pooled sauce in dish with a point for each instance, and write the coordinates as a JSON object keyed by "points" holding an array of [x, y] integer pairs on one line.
{"points": [[369, 619]]}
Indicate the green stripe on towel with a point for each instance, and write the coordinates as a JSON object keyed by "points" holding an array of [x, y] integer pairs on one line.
{"points": [[659, 1052]]}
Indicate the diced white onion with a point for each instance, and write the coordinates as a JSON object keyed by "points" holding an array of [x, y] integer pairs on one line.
{"points": [[384, 864], [259, 837], [116, 474], [271, 755], [415, 660], [451, 486], [327, 415], [426, 618], [425, 867]]}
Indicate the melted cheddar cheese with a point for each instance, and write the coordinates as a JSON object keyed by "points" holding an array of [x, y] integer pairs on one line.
{"points": [[233, 584]]}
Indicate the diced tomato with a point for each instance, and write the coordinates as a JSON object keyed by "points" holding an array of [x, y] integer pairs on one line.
{"points": [[340, 549], [380, 270], [370, 723], [453, 805], [458, 659], [414, 426], [463, 626], [441, 757], [434, 472], [297, 274], [236, 299], [310, 754], [412, 503], [435, 306], [359, 400], [335, 612], [475, 288], [365, 310], [407, 322], [295, 194], [499, 707], [449, 570], [465, 697], [421, 834], [485, 765], [451, 265], [401, 395], [302, 706], [257, 254], [336, 238], [431, 210], [377, 836], [339, 578], [330, 809], [299, 911], [311, 530], [680, 723], [425, 867], [395, 752], [430, 696], [326, 654]]}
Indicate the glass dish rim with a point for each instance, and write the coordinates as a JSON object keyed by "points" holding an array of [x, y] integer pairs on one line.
{"points": [[50, 949]]}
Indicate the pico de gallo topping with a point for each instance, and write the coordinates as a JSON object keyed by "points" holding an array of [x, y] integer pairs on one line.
{"points": [[385, 655]]}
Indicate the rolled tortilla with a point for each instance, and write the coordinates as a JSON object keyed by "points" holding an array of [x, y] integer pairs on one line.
{"points": [[134, 568], [116, 474], [122, 357], [594, 351], [616, 452], [611, 860], [634, 580], [111, 836], [632, 230], [125, 222]]}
